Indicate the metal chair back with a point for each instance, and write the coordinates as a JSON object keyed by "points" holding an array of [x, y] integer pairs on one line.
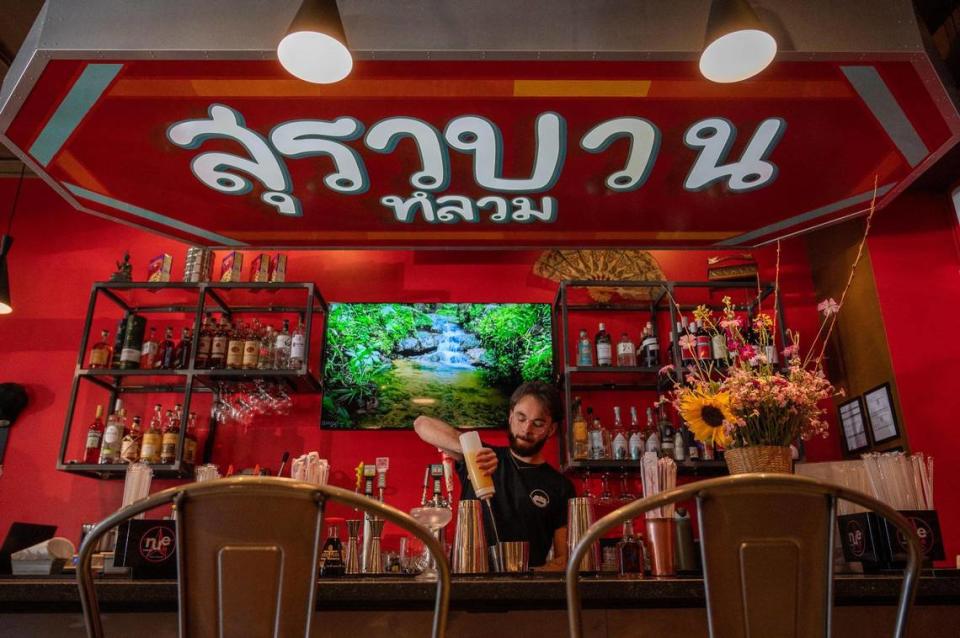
{"points": [[247, 555], [766, 541]]}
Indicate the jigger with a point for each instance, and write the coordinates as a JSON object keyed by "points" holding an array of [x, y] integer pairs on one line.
{"points": [[373, 559], [580, 517], [352, 556], [470, 540]]}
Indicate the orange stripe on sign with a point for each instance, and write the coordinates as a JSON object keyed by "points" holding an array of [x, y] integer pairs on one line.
{"points": [[296, 88], [581, 88], [78, 173]]}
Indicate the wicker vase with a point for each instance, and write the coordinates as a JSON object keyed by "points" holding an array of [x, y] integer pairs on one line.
{"points": [[759, 458]]}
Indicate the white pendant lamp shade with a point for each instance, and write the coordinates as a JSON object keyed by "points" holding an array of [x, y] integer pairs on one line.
{"points": [[315, 48], [737, 47]]}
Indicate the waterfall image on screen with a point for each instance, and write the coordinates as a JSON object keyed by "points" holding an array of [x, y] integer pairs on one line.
{"points": [[388, 363]]}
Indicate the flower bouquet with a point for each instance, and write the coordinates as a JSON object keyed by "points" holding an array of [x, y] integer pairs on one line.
{"points": [[743, 400]]}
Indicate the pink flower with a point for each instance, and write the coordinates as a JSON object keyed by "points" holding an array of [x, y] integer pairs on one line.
{"points": [[789, 351], [828, 307], [665, 369]]}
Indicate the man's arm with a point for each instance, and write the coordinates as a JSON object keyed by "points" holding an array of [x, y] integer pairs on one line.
{"points": [[439, 433], [447, 438]]}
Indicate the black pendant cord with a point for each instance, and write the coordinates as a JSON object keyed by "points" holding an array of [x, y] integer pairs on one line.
{"points": [[16, 198]]}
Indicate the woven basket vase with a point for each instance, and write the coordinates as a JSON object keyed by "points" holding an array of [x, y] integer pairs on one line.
{"points": [[759, 458]]}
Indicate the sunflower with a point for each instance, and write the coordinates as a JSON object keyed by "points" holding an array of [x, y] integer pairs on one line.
{"points": [[705, 414]]}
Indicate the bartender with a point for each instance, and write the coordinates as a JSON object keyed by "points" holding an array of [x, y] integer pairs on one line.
{"points": [[531, 496]]}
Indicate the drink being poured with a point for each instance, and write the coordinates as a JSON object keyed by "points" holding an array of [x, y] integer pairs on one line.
{"points": [[482, 482]]}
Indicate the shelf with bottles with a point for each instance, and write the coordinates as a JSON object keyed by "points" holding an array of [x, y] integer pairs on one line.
{"points": [[236, 319], [684, 468], [135, 428]]}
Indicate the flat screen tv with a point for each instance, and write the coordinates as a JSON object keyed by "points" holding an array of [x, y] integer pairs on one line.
{"points": [[387, 363]]}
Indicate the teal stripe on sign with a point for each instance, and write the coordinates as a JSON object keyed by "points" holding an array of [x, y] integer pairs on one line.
{"points": [[220, 240], [82, 96]]}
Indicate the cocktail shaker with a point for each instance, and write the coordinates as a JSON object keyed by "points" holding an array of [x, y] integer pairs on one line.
{"points": [[373, 557], [470, 540], [351, 558], [660, 535], [580, 517]]}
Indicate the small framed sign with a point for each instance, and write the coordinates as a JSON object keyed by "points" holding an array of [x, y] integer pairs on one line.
{"points": [[883, 418], [854, 425]]}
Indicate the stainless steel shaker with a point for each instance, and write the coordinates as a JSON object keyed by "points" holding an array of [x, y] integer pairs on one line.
{"points": [[580, 517], [470, 539]]}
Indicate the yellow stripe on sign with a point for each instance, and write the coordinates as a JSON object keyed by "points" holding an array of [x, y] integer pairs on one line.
{"points": [[581, 88]]}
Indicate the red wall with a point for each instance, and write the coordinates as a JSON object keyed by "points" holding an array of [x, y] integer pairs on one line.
{"points": [[916, 266], [59, 252]]}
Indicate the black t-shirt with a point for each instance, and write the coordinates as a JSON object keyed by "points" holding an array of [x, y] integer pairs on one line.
{"points": [[530, 503]]}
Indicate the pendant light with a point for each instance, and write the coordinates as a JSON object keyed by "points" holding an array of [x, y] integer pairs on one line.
{"points": [[6, 305], [738, 46], [315, 47]]}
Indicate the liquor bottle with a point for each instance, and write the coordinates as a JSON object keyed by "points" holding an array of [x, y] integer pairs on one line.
{"points": [[151, 348], [101, 354], [679, 446], [218, 344], [704, 344], [298, 345], [629, 552], [113, 436], [584, 350], [581, 441], [688, 343], [331, 557], [190, 440], [131, 442], [620, 450], [626, 352], [251, 346], [666, 432], [635, 440], [719, 347], [652, 439], [235, 347], [693, 452], [132, 342], [91, 450], [651, 347], [604, 347], [152, 438], [170, 438], [118, 341], [267, 344], [181, 354], [166, 355], [204, 343], [282, 347], [595, 436]]}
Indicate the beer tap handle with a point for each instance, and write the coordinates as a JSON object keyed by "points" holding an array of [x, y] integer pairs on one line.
{"points": [[426, 485], [447, 461]]}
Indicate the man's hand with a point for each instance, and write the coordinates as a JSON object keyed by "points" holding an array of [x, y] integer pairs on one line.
{"points": [[487, 461]]}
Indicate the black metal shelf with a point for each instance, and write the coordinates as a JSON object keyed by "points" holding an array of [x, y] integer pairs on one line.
{"points": [[119, 470], [193, 299], [684, 468]]}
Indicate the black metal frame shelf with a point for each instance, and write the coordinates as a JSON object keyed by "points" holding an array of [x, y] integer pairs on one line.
{"points": [[196, 299], [663, 299], [684, 468]]}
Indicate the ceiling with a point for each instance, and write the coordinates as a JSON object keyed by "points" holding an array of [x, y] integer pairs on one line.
{"points": [[16, 17]]}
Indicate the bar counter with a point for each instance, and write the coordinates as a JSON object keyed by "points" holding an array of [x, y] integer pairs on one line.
{"points": [[528, 605]]}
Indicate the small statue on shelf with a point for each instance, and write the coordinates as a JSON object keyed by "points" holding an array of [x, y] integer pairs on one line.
{"points": [[124, 269]]}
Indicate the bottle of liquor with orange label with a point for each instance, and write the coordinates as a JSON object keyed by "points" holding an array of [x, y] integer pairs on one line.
{"points": [[204, 343], [251, 346], [235, 348], [132, 440], [102, 352], [218, 344]]}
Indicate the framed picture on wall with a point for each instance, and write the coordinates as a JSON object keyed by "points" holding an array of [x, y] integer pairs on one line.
{"points": [[854, 425], [883, 418]]}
